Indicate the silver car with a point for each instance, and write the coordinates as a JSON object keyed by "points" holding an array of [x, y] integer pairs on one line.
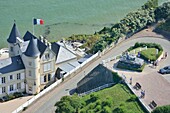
{"points": [[165, 70]]}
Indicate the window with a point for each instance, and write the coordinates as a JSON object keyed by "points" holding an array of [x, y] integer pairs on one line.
{"points": [[29, 73], [49, 77], [30, 63], [3, 90], [45, 78], [11, 77], [11, 88], [47, 67], [3, 79], [18, 76], [18, 85], [12, 49], [47, 56], [30, 88]]}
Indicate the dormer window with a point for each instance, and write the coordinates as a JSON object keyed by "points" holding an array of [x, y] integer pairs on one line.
{"points": [[47, 56]]}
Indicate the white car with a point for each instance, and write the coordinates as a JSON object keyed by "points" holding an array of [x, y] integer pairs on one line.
{"points": [[165, 70]]}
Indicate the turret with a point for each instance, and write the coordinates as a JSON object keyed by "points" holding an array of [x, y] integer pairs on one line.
{"points": [[31, 59], [14, 42]]}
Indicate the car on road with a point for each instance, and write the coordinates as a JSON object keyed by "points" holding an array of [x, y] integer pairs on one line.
{"points": [[165, 70]]}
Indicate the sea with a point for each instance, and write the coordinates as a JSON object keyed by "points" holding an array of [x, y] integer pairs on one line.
{"points": [[62, 18]]}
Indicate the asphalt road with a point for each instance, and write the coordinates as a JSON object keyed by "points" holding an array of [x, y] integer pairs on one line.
{"points": [[47, 102]]}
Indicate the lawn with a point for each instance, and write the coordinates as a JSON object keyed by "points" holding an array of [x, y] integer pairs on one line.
{"points": [[150, 54], [116, 99]]}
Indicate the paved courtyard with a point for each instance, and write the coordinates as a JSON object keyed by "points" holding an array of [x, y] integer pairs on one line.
{"points": [[156, 86]]}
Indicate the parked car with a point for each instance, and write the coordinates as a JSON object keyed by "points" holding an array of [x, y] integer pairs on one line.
{"points": [[165, 70], [3, 99]]}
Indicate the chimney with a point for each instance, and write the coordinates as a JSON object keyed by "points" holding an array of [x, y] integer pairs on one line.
{"points": [[49, 45], [41, 38], [45, 42]]}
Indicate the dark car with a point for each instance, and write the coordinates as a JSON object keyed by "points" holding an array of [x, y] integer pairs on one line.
{"points": [[165, 70], [3, 99]]}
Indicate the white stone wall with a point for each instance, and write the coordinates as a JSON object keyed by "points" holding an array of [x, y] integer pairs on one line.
{"points": [[12, 82]]}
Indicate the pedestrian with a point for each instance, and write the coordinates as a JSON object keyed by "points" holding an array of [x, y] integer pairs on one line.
{"points": [[130, 80], [166, 54], [141, 94], [144, 94]]}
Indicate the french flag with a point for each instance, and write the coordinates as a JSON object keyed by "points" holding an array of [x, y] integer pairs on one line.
{"points": [[38, 21]]}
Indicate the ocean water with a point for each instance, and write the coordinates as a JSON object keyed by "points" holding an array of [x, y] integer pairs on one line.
{"points": [[62, 18]]}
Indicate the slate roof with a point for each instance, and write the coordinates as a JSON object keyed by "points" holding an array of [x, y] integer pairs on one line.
{"points": [[41, 46], [14, 34], [11, 64], [55, 48], [32, 49], [28, 36], [62, 54]]}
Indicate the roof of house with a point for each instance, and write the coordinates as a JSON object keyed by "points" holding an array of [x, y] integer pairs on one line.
{"points": [[62, 54], [32, 49], [41, 46], [14, 34], [28, 36], [11, 64]]}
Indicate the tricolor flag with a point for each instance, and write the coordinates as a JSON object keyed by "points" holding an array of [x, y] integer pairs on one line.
{"points": [[38, 21]]}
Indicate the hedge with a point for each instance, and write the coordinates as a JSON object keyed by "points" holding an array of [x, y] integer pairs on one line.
{"points": [[121, 66], [162, 109]]}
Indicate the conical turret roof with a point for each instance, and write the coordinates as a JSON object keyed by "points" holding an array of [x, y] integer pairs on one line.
{"points": [[32, 49], [14, 34]]}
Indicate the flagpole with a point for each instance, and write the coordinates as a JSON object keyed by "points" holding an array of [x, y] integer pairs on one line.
{"points": [[33, 25]]}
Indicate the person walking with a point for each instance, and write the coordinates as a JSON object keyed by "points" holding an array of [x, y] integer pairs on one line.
{"points": [[130, 81]]}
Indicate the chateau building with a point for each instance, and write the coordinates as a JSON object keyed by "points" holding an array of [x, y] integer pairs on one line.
{"points": [[33, 63]]}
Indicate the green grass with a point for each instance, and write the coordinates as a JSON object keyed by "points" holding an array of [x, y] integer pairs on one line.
{"points": [[150, 53], [136, 50], [120, 97]]}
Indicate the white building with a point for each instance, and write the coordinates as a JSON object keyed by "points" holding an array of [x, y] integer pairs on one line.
{"points": [[33, 64]]}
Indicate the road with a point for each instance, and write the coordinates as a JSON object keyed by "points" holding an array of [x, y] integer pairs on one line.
{"points": [[47, 102]]}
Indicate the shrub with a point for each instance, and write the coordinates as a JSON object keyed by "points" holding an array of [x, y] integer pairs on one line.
{"points": [[107, 102], [94, 97], [162, 109], [17, 94], [120, 109], [132, 98], [98, 108], [98, 102], [90, 111], [91, 105], [107, 109], [121, 66], [83, 111]]}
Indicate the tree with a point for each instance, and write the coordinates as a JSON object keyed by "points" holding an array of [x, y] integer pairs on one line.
{"points": [[68, 104], [150, 4], [163, 11]]}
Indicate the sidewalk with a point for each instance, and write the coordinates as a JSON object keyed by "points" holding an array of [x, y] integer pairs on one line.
{"points": [[10, 106]]}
